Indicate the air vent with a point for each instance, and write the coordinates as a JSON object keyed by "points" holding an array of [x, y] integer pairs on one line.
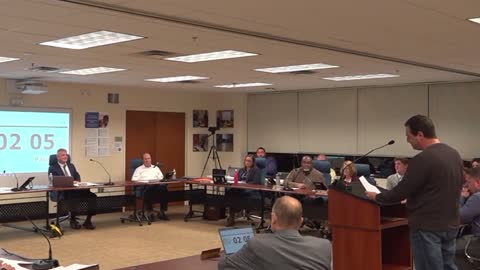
{"points": [[189, 82], [156, 54], [44, 69], [302, 72]]}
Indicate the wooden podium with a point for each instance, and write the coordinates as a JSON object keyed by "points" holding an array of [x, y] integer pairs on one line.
{"points": [[367, 235]]}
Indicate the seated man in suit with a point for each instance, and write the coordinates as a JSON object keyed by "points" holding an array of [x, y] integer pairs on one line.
{"points": [[305, 176], [73, 197], [271, 163], [284, 249], [401, 165], [155, 193]]}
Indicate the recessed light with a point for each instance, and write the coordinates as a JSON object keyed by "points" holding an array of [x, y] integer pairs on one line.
{"points": [[7, 59], [238, 85], [296, 68], [177, 79], [475, 20], [92, 71], [90, 40], [361, 77], [211, 56]]}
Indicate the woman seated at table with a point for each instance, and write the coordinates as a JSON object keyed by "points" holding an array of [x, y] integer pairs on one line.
{"points": [[249, 174], [349, 172]]}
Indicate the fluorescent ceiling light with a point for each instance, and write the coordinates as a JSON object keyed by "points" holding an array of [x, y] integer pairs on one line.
{"points": [[237, 85], [475, 20], [361, 77], [296, 68], [92, 71], [177, 79], [7, 59], [228, 54], [90, 40]]}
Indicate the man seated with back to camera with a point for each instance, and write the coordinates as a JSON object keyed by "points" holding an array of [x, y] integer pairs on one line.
{"points": [[154, 193], [283, 249], [74, 197], [271, 163], [304, 177], [249, 174]]}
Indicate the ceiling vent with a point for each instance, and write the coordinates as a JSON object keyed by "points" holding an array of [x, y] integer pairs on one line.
{"points": [[156, 54], [302, 72], [43, 69]]}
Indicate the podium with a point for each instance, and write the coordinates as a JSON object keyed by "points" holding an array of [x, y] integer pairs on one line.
{"points": [[367, 235]]}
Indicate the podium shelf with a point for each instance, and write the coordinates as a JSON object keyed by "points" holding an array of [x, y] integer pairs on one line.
{"points": [[392, 223], [395, 267]]}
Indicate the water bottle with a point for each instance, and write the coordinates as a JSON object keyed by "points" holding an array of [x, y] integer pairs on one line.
{"points": [[174, 175], [277, 181], [371, 179], [235, 177], [50, 179]]}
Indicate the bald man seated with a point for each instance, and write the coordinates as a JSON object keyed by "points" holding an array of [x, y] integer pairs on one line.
{"points": [[284, 249], [304, 177]]}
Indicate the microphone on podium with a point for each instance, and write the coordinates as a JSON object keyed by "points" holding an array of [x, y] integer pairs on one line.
{"points": [[101, 165], [341, 183]]}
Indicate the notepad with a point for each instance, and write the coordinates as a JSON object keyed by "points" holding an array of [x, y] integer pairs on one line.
{"points": [[369, 187]]}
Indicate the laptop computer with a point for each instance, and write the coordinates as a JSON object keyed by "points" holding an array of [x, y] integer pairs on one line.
{"points": [[233, 239], [218, 176], [24, 185], [62, 181]]}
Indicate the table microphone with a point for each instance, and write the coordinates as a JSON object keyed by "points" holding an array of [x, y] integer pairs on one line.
{"points": [[341, 183], [48, 263], [109, 176], [16, 178]]}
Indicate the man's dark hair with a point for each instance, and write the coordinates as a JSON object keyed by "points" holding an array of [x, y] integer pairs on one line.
{"points": [[421, 123], [402, 160], [261, 148], [475, 160], [473, 172]]}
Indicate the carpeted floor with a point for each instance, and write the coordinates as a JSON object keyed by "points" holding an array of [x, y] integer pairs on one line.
{"points": [[114, 245]]}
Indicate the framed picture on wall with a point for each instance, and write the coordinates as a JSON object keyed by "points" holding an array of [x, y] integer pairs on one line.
{"points": [[224, 142], [200, 118], [225, 119], [200, 142]]}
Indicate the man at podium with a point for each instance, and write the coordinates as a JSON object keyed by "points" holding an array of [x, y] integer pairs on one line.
{"points": [[432, 187]]}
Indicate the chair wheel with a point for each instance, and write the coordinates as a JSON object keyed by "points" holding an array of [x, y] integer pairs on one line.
{"points": [[140, 224], [122, 221], [149, 223]]}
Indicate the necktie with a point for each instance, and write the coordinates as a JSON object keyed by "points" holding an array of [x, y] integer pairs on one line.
{"points": [[65, 170]]}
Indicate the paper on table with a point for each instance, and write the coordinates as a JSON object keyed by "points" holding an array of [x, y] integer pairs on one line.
{"points": [[75, 267], [5, 189], [369, 187], [85, 184]]}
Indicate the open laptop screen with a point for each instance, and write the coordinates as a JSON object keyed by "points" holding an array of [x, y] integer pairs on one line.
{"points": [[233, 239]]}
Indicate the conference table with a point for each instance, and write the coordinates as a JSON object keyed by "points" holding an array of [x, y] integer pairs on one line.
{"points": [[186, 263]]}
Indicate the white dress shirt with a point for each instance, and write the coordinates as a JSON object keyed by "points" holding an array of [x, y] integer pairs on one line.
{"points": [[147, 173], [65, 169]]}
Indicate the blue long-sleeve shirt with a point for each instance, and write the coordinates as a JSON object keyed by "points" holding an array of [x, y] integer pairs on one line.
{"points": [[470, 212]]}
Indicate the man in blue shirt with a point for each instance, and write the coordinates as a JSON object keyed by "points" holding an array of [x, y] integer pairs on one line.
{"points": [[271, 163]]}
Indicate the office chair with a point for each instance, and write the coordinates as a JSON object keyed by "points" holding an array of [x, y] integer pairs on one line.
{"points": [[472, 251], [57, 196], [363, 170], [261, 164], [137, 215], [324, 167]]}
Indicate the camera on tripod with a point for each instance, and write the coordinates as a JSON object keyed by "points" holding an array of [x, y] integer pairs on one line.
{"points": [[213, 129]]}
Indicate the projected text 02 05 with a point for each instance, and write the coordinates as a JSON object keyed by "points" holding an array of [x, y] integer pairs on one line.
{"points": [[15, 141]]}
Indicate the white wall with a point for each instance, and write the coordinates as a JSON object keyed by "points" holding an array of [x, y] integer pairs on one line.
{"points": [[352, 121], [84, 98]]}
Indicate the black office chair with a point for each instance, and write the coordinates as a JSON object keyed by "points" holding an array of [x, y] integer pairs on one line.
{"points": [[57, 197]]}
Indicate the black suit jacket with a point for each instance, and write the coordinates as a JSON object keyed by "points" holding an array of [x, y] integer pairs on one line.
{"points": [[56, 170]]}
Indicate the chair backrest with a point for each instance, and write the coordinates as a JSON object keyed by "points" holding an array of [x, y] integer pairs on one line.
{"points": [[261, 164], [363, 170], [324, 167], [134, 164], [53, 160]]}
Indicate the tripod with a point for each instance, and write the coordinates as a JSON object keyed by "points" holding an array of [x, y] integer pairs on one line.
{"points": [[213, 153]]}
